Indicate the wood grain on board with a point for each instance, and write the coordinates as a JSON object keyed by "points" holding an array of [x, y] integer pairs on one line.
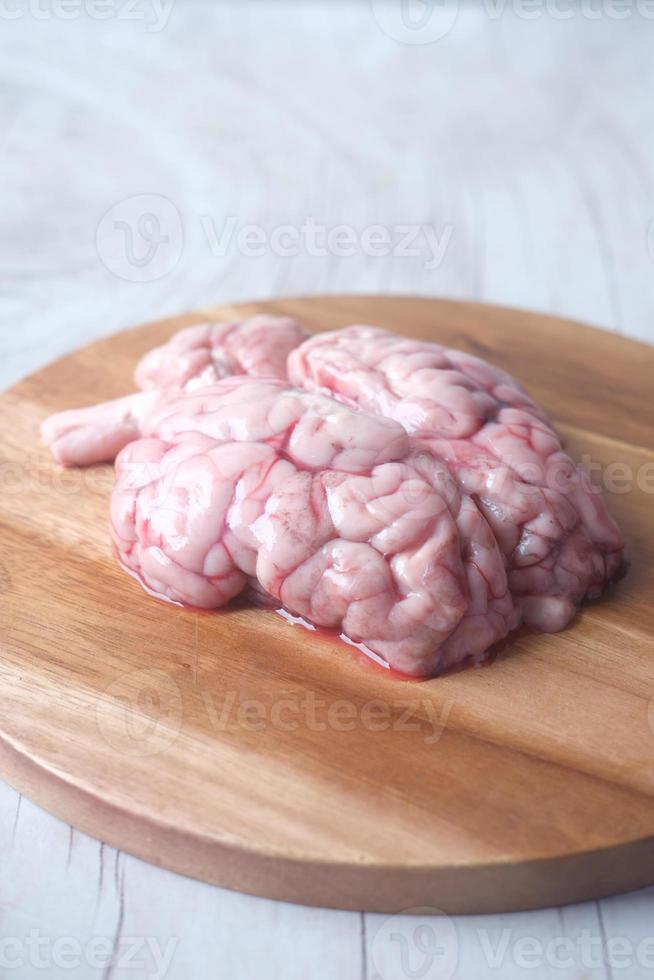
{"points": [[235, 748]]}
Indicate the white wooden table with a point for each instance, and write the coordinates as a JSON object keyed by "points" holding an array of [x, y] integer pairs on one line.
{"points": [[513, 143]]}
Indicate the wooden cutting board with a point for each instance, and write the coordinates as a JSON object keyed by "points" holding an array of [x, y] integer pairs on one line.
{"points": [[245, 751]]}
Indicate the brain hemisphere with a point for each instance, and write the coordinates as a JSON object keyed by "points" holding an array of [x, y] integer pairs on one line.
{"points": [[228, 486], [558, 540]]}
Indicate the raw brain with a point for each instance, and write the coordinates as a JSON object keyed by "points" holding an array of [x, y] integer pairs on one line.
{"points": [[413, 499]]}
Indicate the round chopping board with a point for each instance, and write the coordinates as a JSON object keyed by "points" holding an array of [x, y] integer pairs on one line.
{"points": [[240, 749]]}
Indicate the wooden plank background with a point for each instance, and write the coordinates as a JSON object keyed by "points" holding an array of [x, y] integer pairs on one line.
{"points": [[159, 156]]}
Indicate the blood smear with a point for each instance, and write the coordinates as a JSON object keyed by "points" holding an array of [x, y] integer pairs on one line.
{"points": [[363, 655]]}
